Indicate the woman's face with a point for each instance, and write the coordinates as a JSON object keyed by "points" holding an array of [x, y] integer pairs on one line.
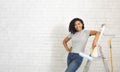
{"points": [[78, 25]]}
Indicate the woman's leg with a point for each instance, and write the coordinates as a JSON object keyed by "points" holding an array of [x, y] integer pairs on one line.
{"points": [[69, 59], [73, 66], [74, 62]]}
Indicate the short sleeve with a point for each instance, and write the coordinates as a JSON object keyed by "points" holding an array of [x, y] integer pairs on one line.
{"points": [[87, 32]]}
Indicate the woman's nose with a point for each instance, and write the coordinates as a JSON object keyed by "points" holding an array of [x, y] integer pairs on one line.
{"points": [[78, 25]]}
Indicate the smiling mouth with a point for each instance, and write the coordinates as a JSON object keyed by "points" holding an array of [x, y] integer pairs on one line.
{"points": [[78, 28]]}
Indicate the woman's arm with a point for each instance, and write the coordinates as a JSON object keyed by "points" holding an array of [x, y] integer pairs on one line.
{"points": [[96, 33], [65, 44]]}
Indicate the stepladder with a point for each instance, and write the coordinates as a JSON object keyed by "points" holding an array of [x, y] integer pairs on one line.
{"points": [[104, 60]]}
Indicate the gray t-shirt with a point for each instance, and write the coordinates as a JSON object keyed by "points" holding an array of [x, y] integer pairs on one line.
{"points": [[79, 40]]}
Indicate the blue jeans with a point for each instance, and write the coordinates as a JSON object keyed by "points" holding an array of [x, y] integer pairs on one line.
{"points": [[74, 61]]}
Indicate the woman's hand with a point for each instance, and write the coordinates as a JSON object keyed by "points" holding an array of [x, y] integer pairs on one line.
{"points": [[68, 49]]}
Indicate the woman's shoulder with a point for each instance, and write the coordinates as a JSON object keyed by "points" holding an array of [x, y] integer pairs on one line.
{"points": [[87, 32]]}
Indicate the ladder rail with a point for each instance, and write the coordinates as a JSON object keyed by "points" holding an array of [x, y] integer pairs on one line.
{"points": [[88, 63]]}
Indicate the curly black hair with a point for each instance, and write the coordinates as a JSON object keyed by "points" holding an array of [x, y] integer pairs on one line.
{"points": [[72, 25]]}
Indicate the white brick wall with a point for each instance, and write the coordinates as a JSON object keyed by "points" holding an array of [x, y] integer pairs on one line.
{"points": [[32, 31]]}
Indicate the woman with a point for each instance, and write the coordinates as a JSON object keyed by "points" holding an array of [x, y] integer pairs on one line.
{"points": [[79, 38]]}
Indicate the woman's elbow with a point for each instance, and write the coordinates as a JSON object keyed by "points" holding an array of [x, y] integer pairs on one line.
{"points": [[98, 33], [64, 41]]}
